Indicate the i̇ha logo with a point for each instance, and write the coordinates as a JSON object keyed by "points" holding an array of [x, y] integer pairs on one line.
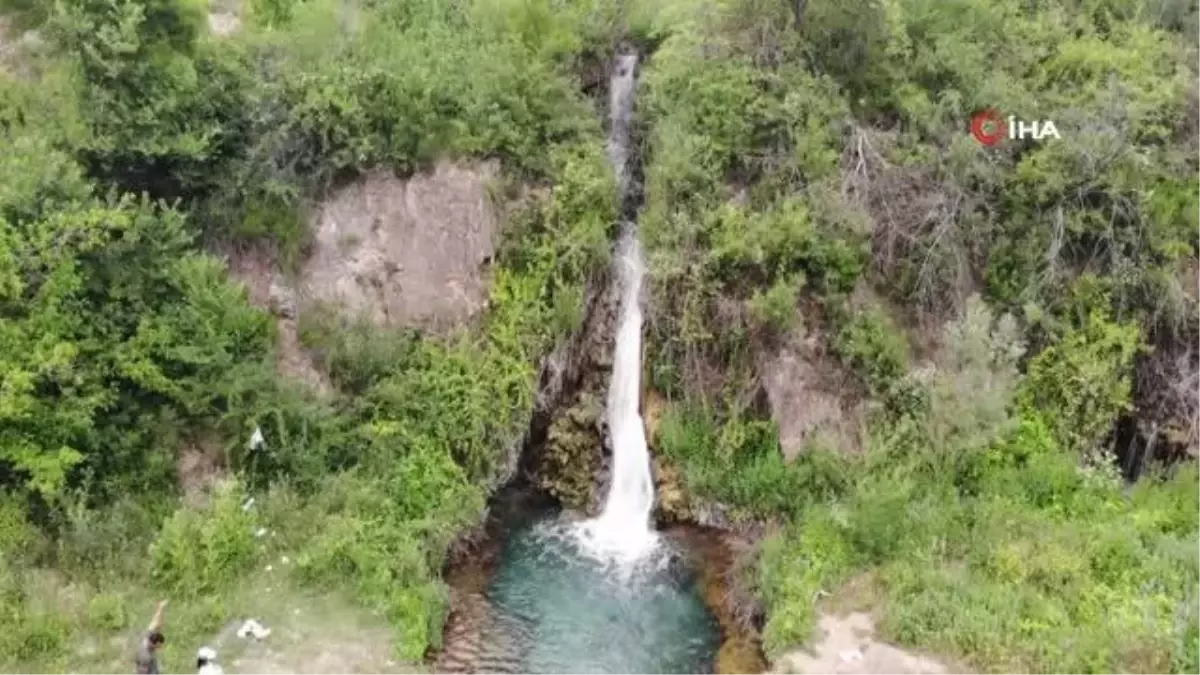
{"points": [[990, 127]]}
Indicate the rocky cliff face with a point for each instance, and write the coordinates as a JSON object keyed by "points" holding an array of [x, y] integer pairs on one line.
{"points": [[565, 452], [397, 252], [411, 253]]}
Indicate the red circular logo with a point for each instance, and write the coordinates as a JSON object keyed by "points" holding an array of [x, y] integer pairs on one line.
{"points": [[988, 127]]}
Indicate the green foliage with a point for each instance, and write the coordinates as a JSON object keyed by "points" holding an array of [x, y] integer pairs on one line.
{"points": [[782, 167], [162, 356], [27, 633], [389, 534], [35, 637], [974, 460], [1040, 581], [106, 302], [738, 463], [849, 42], [200, 552], [1080, 384], [25, 12], [729, 255], [972, 391], [270, 13], [775, 308], [563, 234], [107, 612], [1039, 556], [99, 546], [795, 565], [38, 179], [871, 345], [742, 215], [1037, 553], [157, 100], [355, 354], [387, 90]]}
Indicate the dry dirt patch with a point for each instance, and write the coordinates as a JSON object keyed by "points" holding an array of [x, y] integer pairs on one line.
{"points": [[224, 17], [315, 634], [406, 252], [224, 24], [310, 631], [847, 645], [17, 48], [201, 468]]}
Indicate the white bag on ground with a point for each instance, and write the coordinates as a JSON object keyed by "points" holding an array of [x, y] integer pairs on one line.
{"points": [[206, 662], [253, 628]]}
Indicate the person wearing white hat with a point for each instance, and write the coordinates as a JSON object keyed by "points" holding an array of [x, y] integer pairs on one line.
{"points": [[206, 662]]}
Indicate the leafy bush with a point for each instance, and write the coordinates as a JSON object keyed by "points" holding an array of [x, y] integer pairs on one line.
{"points": [[1082, 383], [17, 535], [738, 463], [200, 552], [775, 308], [99, 546], [107, 612], [389, 534], [779, 163], [795, 566], [159, 103], [39, 637], [131, 323], [1039, 557], [869, 343]]}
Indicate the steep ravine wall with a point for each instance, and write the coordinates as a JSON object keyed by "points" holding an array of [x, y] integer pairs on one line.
{"points": [[562, 453], [563, 462]]}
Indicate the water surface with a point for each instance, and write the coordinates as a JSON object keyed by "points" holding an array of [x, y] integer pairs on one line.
{"points": [[574, 614]]}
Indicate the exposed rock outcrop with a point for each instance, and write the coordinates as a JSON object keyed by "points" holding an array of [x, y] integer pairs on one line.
{"points": [[268, 289], [809, 398], [200, 468], [402, 252], [718, 556], [399, 252]]}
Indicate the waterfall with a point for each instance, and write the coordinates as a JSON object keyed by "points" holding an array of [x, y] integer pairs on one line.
{"points": [[623, 528], [620, 115]]}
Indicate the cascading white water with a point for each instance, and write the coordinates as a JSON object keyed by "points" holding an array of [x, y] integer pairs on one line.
{"points": [[620, 115], [623, 528]]}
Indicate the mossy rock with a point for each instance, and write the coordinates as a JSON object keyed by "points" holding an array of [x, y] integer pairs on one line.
{"points": [[571, 457], [672, 499]]}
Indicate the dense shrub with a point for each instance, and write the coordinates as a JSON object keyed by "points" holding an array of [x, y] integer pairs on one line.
{"points": [[1080, 384], [738, 462], [105, 302], [202, 551]]}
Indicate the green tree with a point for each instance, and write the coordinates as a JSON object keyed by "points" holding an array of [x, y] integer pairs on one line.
{"points": [[160, 103], [110, 326]]}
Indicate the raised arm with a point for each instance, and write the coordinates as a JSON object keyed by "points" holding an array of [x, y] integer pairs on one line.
{"points": [[156, 622]]}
